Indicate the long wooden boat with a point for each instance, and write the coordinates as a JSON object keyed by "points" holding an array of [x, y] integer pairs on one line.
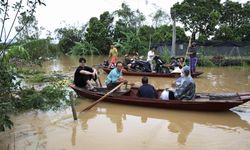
{"points": [[152, 74], [202, 102]]}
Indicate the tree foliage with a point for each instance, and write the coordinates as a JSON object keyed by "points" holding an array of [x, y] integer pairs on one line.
{"points": [[8, 77], [132, 43], [99, 32], [160, 17], [234, 22], [28, 28], [128, 21], [68, 36], [198, 16], [84, 48]]}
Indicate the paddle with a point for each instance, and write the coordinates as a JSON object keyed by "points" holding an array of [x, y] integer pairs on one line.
{"points": [[102, 98], [99, 80], [189, 44], [98, 74]]}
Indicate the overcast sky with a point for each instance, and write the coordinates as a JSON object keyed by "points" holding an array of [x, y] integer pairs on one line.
{"points": [[58, 13]]}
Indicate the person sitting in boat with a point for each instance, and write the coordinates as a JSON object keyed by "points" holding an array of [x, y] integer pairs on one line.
{"points": [[180, 61], [172, 66], [84, 74], [115, 77], [160, 65], [147, 90], [164, 94], [135, 55], [184, 87], [127, 62], [105, 63], [173, 63]]}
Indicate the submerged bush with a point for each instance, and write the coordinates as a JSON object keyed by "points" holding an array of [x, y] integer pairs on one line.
{"points": [[84, 48], [50, 97]]}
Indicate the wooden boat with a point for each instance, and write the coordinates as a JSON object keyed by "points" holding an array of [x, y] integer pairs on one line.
{"points": [[202, 102], [152, 74]]}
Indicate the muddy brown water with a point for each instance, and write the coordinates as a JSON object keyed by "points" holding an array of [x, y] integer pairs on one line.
{"points": [[113, 126]]}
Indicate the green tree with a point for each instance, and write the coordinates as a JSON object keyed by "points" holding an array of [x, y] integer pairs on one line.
{"points": [[132, 19], [28, 27], [128, 20], [160, 17], [38, 49], [84, 48], [68, 36], [131, 43], [245, 12], [245, 32], [99, 32], [8, 83], [146, 32], [198, 16], [180, 34], [234, 22]]}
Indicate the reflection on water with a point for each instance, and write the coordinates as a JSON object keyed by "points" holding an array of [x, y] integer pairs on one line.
{"points": [[127, 127], [177, 122], [112, 126], [73, 136], [182, 128], [226, 79]]}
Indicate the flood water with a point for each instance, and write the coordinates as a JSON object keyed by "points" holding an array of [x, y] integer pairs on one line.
{"points": [[119, 127]]}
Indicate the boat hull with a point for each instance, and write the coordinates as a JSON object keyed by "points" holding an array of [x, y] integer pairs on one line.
{"points": [[199, 104], [152, 74]]}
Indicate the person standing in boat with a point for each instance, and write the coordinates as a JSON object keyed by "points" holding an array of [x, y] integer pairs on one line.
{"points": [[151, 55], [147, 90], [115, 77], [183, 88], [193, 57], [84, 74], [113, 56]]}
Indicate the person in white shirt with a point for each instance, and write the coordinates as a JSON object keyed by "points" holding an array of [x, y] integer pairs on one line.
{"points": [[151, 55], [164, 95]]}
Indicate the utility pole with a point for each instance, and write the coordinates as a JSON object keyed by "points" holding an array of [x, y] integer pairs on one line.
{"points": [[173, 48]]}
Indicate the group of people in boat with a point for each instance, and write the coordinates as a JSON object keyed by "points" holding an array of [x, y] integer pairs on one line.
{"points": [[184, 87], [154, 63]]}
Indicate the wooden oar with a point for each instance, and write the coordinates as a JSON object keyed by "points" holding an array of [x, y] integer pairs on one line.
{"points": [[98, 74], [102, 98], [98, 77], [99, 80], [189, 44]]}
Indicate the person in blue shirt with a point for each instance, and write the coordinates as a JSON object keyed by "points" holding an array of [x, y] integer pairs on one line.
{"points": [[147, 90], [115, 77]]}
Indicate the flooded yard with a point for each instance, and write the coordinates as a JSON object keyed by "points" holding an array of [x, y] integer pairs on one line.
{"points": [[112, 126]]}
